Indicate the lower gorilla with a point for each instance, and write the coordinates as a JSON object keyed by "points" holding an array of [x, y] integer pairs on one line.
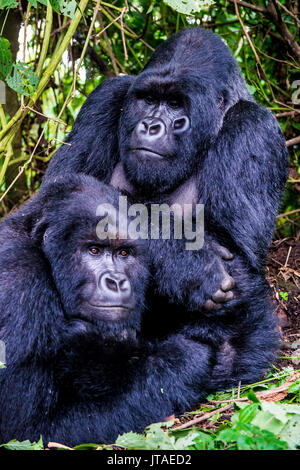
{"points": [[76, 368], [83, 362]]}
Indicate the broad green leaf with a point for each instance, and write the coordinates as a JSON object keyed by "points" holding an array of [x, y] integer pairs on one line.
{"points": [[8, 4], [282, 419], [68, 7], [202, 441], [188, 7], [24, 445], [251, 396], [267, 420], [132, 441], [246, 414], [24, 80], [55, 5], [295, 387], [5, 58]]}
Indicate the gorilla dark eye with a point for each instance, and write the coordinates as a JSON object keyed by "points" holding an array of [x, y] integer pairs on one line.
{"points": [[94, 250], [174, 103], [149, 99]]}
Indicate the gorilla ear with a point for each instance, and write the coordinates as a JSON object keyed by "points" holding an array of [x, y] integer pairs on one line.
{"points": [[223, 101], [40, 231]]}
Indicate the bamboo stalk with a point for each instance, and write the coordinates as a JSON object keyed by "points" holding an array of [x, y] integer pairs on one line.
{"points": [[46, 40]]}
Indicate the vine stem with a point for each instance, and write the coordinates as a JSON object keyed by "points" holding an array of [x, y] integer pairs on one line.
{"points": [[47, 35], [10, 129], [72, 89]]}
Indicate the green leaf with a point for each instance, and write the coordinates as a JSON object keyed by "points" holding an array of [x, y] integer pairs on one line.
{"points": [[132, 441], [295, 387], [202, 441], [5, 58], [55, 5], [247, 414], [24, 445], [251, 89], [87, 447], [188, 7], [8, 4], [24, 80], [68, 8], [282, 419], [251, 396]]}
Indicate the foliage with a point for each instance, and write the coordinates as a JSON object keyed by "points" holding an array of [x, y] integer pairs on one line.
{"points": [[25, 445], [68, 53], [256, 425]]}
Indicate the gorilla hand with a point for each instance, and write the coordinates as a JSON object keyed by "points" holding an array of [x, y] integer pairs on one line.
{"points": [[224, 293]]}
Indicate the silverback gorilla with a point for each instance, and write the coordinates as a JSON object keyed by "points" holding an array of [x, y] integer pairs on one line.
{"points": [[71, 304], [78, 366], [187, 130]]}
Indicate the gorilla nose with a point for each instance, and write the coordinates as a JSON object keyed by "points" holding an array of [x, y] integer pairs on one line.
{"points": [[181, 124], [151, 128], [116, 285]]}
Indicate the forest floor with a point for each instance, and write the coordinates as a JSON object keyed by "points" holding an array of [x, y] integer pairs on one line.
{"points": [[283, 275]]}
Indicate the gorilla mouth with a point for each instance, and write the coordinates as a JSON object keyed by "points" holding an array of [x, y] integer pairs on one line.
{"points": [[112, 312], [146, 152], [110, 307]]}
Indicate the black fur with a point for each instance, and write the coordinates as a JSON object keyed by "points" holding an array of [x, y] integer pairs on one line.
{"points": [[235, 154], [234, 151], [69, 379]]}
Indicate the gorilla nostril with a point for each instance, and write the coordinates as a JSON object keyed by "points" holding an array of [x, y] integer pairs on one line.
{"points": [[145, 126], [181, 124], [155, 129], [111, 284]]}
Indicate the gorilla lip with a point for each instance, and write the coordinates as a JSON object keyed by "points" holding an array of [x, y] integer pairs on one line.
{"points": [[154, 154], [112, 312]]}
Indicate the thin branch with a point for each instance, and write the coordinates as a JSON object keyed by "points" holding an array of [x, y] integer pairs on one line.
{"points": [[294, 141], [124, 11], [249, 5], [288, 213], [288, 11], [204, 417], [58, 30], [109, 48], [22, 169], [252, 46]]}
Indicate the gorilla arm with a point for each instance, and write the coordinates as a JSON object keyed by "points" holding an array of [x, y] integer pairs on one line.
{"points": [[168, 377], [92, 146], [30, 311], [242, 179]]}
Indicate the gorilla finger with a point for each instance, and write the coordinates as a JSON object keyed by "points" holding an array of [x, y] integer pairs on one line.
{"points": [[228, 283], [225, 253], [221, 296], [211, 305]]}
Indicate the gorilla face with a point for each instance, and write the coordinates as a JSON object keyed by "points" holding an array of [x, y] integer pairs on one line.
{"points": [[101, 282], [162, 128], [108, 293]]}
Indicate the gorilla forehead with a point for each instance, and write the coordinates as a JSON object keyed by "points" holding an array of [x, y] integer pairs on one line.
{"points": [[191, 49], [83, 191]]}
